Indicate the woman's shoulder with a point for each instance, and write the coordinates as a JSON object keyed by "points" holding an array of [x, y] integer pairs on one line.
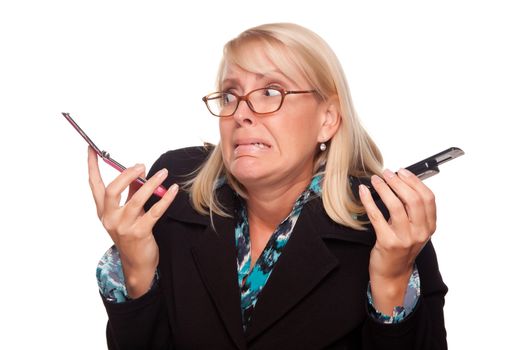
{"points": [[182, 162]]}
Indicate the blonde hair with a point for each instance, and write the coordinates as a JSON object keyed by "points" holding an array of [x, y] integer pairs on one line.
{"points": [[351, 152]]}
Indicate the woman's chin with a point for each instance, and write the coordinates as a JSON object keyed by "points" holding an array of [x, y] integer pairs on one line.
{"points": [[249, 172]]}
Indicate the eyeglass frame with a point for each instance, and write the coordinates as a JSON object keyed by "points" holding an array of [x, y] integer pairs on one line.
{"points": [[245, 98]]}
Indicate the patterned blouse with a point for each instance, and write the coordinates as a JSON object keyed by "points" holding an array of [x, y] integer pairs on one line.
{"points": [[251, 281]]}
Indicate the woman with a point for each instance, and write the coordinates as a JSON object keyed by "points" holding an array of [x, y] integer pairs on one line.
{"points": [[268, 243]]}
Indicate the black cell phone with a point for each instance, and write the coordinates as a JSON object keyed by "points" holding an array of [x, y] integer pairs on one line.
{"points": [[429, 167], [423, 169]]}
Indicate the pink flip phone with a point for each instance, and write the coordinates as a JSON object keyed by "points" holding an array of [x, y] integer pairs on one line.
{"points": [[159, 191]]}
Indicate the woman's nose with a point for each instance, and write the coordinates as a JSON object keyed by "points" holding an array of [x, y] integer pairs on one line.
{"points": [[244, 115]]}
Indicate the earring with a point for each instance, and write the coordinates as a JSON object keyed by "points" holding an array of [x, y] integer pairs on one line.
{"points": [[322, 147]]}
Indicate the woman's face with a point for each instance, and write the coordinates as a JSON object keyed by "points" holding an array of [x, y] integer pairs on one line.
{"points": [[271, 149]]}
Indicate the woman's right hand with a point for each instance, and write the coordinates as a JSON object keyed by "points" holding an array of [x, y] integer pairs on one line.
{"points": [[130, 227]]}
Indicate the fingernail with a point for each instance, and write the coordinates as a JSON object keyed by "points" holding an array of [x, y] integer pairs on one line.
{"points": [[404, 172], [173, 188], [139, 167], [363, 189], [161, 173], [376, 179], [388, 174]]}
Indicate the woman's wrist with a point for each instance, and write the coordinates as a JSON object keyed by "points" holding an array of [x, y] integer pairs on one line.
{"points": [[138, 273], [389, 292], [138, 282]]}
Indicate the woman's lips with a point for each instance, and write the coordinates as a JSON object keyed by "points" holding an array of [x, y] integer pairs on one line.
{"points": [[250, 148]]}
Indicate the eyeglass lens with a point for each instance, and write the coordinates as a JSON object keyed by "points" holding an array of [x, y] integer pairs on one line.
{"points": [[260, 101]]}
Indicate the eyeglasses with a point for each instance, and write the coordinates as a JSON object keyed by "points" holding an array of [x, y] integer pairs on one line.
{"points": [[260, 101]]}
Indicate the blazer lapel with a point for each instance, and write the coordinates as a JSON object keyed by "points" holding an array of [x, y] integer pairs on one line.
{"points": [[215, 258], [304, 263]]}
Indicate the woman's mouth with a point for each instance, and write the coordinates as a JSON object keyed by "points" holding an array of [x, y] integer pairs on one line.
{"points": [[252, 147]]}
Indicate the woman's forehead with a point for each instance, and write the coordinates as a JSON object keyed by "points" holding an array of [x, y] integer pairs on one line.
{"points": [[234, 71], [235, 75], [260, 67]]}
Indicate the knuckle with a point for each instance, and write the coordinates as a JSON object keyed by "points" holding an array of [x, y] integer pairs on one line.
{"points": [[389, 245], [112, 192], [139, 231], [397, 208], [134, 231], [375, 215], [418, 202], [430, 198], [406, 244], [423, 236], [133, 202], [122, 232], [415, 200], [422, 239], [92, 183], [155, 214], [108, 224]]}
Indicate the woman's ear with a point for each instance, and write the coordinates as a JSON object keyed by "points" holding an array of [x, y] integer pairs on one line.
{"points": [[331, 119]]}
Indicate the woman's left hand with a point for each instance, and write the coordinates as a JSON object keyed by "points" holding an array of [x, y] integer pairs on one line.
{"points": [[412, 222]]}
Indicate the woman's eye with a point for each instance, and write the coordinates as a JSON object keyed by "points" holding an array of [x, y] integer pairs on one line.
{"points": [[270, 92], [227, 98]]}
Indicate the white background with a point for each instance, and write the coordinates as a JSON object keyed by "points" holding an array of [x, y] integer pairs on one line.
{"points": [[424, 76]]}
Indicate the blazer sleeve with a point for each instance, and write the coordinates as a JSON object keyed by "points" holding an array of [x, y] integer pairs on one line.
{"points": [[139, 324], [143, 323], [424, 328]]}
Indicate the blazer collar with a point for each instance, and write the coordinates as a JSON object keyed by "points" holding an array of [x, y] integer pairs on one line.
{"points": [[305, 262], [323, 224], [181, 210], [326, 228], [215, 257]]}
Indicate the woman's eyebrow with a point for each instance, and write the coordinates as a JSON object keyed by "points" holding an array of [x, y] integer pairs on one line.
{"points": [[280, 76], [230, 81], [274, 74]]}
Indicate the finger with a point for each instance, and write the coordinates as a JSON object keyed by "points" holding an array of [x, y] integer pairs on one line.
{"points": [[134, 187], [95, 181], [414, 206], [374, 214], [156, 211], [136, 202], [425, 193], [396, 208], [116, 187]]}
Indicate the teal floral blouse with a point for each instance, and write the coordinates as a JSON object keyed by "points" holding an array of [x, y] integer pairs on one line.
{"points": [[251, 281]]}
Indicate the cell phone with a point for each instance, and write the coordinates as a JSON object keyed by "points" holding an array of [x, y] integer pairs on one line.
{"points": [[159, 191], [423, 169]]}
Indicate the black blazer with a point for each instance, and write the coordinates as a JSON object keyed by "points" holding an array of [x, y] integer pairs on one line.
{"points": [[314, 299]]}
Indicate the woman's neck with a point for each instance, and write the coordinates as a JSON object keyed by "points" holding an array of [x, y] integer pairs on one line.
{"points": [[269, 206]]}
